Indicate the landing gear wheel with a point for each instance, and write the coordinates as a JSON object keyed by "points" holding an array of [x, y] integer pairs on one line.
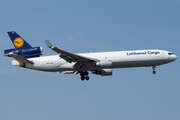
{"points": [[87, 77], [154, 72], [86, 73], [81, 73], [82, 78]]}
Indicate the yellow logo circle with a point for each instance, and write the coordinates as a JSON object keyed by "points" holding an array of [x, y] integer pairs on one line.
{"points": [[18, 42]]}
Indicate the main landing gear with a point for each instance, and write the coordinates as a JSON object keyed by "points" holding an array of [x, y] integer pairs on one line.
{"points": [[84, 75], [154, 67]]}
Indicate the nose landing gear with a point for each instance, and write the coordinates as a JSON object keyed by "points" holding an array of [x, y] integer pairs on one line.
{"points": [[154, 67]]}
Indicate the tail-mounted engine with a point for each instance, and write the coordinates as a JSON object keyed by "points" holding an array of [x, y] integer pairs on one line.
{"points": [[26, 53]]}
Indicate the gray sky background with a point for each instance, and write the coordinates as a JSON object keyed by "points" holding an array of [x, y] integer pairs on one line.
{"points": [[89, 26]]}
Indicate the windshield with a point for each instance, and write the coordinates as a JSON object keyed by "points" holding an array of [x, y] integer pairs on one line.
{"points": [[170, 53]]}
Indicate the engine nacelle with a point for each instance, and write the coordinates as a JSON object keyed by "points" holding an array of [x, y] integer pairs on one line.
{"points": [[26, 53], [103, 72], [104, 64]]}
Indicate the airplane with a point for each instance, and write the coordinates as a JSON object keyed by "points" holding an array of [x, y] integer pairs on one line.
{"points": [[99, 63]]}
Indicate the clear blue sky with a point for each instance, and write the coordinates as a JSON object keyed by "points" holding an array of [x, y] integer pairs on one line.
{"points": [[88, 26]]}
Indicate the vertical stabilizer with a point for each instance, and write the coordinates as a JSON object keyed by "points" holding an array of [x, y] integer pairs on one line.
{"points": [[22, 48], [18, 41]]}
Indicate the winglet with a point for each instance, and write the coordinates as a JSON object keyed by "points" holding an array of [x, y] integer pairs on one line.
{"points": [[49, 44]]}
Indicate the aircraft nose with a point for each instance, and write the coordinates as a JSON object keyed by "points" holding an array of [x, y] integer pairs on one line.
{"points": [[175, 57], [172, 57]]}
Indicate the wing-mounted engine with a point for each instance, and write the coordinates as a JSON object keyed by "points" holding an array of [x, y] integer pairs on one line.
{"points": [[103, 72], [104, 64], [26, 53]]}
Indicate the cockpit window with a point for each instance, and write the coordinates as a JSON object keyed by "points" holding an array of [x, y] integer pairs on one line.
{"points": [[170, 53]]}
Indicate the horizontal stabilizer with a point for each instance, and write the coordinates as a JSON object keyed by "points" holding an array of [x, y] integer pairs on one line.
{"points": [[21, 59]]}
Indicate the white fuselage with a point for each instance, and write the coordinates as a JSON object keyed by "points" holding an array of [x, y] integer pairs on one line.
{"points": [[120, 59]]}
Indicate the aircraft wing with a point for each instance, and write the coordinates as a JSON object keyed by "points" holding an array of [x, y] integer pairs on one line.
{"points": [[21, 59], [70, 57]]}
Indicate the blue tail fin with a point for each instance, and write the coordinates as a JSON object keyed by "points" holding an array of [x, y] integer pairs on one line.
{"points": [[22, 48], [18, 41]]}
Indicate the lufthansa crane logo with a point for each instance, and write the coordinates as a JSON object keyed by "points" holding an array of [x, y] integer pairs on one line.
{"points": [[18, 42]]}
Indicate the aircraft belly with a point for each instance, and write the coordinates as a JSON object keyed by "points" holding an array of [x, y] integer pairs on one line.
{"points": [[141, 63]]}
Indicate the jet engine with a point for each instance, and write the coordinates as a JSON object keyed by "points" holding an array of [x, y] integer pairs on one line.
{"points": [[104, 64], [26, 53], [103, 72]]}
